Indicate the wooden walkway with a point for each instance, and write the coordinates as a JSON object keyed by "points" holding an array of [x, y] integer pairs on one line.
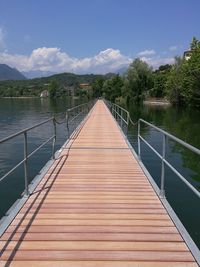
{"points": [[94, 208]]}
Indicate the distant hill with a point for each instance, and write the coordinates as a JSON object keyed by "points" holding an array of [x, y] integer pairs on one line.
{"points": [[37, 74], [66, 84], [8, 73], [122, 71]]}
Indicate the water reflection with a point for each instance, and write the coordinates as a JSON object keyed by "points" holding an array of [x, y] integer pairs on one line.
{"points": [[184, 124], [16, 115]]}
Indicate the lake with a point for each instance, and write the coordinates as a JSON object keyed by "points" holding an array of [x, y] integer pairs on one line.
{"points": [[17, 114], [184, 124]]}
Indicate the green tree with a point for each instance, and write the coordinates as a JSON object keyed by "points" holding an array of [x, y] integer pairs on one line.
{"points": [[174, 84], [192, 75], [184, 80], [159, 81], [195, 44], [112, 88], [53, 87], [97, 86], [137, 81]]}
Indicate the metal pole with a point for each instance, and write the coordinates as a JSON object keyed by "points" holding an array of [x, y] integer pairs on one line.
{"points": [[26, 192], [128, 117], [127, 121], [162, 186], [121, 122], [139, 146], [54, 139], [67, 121], [117, 114]]}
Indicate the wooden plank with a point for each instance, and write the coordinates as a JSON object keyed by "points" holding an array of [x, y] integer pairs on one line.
{"points": [[95, 245], [90, 222], [96, 264], [93, 237], [83, 216], [63, 228], [106, 211], [99, 255]]}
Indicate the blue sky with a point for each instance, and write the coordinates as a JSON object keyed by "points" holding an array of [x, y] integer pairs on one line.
{"points": [[94, 35]]}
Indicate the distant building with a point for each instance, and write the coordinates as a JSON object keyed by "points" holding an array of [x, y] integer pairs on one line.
{"points": [[44, 93], [187, 54], [85, 86], [70, 90]]}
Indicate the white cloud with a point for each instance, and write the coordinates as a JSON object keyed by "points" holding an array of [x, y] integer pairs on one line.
{"points": [[146, 53], [52, 59], [173, 48], [2, 39], [157, 61]]}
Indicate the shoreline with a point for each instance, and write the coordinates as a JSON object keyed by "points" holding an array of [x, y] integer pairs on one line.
{"points": [[156, 102], [10, 97]]}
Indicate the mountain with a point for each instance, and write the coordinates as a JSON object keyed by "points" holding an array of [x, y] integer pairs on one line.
{"points": [[37, 74], [8, 73], [122, 71]]}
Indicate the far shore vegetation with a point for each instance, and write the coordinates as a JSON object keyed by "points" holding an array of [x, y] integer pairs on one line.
{"points": [[178, 83]]}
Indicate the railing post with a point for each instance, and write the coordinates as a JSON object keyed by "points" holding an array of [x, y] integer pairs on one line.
{"points": [[139, 145], [26, 192], [121, 122], [54, 139], [67, 121], [127, 121], [162, 186], [117, 114]]}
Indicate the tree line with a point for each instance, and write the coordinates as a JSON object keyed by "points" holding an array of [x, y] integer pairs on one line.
{"points": [[179, 82], [58, 85]]}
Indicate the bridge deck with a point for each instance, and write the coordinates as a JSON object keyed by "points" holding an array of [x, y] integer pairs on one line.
{"points": [[94, 207]]}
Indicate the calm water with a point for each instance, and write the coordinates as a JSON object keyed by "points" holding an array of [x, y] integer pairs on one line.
{"points": [[184, 124], [17, 114]]}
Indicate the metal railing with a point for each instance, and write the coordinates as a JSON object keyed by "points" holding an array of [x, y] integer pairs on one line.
{"points": [[122, 116], [162, 156], [73, 117], [76, 114], [26, 155]]}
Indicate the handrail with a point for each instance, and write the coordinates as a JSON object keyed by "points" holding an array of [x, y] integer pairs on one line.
{"points": [[78, 111], [25, 130], [194, 149], [83, 108], [116, 110], [26, 155], [162, 156]]}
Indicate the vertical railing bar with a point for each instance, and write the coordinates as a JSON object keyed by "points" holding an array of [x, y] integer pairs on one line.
{"points": [[121, 122], [127, 121], [26, 192], [162, 186], [139, 145], [117, 114], [54, 139], [67, 121]]}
